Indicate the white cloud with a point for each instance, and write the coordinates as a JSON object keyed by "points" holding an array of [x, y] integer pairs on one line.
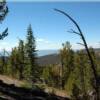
{"points": [[3, 43], [78, 46], [42, 44], [94, 45], [7, 45], [42, 40], [46, 44]]}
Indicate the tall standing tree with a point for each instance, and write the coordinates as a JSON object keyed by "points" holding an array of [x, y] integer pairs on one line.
{"points": [[31, 53], [3, 61], [67, 62], [14, 58], [21, 60], [82, 72]]}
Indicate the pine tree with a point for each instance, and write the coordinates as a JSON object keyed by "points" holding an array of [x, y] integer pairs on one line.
{"points": [[67, 62], [1, 64], [31, 53], [14, 62], [82, 72], [21, 59], [3, 61]]}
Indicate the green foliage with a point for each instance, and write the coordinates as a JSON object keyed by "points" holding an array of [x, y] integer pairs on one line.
{"points": [[74, 74], [30, 53], [69, 84], [21, 59], [26, 84], [75, 92], [67, 62], [51, 75], [21, 63]]}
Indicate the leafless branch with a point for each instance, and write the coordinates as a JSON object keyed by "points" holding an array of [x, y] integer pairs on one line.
{"points": [[72, 31], [81, 44], [87, 49]]}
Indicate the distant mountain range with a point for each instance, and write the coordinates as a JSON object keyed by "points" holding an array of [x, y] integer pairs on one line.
{"points": [[47, 57], [52, 57], [47, 52], [39, 52]]}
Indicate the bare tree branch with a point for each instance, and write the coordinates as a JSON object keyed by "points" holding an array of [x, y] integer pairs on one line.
{"points": [[87, 49], [81, 44], [70, 19], [72, 31]]}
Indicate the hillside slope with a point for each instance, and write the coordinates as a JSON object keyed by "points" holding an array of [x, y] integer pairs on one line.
{"points": [[12, 92], [49, 59]]}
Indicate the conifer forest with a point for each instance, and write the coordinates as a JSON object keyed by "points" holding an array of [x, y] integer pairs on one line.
{"points": [[68, 74]]}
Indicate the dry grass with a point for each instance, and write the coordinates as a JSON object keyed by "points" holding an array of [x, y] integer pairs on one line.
{"points": [[8, 80], [16, 82], [56, 91]]}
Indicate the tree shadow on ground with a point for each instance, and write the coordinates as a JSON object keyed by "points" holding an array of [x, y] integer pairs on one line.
{"points": [[20, 93]]}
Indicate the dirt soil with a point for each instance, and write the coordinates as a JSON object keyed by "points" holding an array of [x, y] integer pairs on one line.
{"points": [[8, 80]]}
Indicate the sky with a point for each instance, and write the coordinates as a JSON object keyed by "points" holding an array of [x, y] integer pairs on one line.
{"points": [[50, 28]]}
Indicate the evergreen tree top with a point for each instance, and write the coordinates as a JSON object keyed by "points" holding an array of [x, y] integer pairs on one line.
{"points": [[29, 29]]}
